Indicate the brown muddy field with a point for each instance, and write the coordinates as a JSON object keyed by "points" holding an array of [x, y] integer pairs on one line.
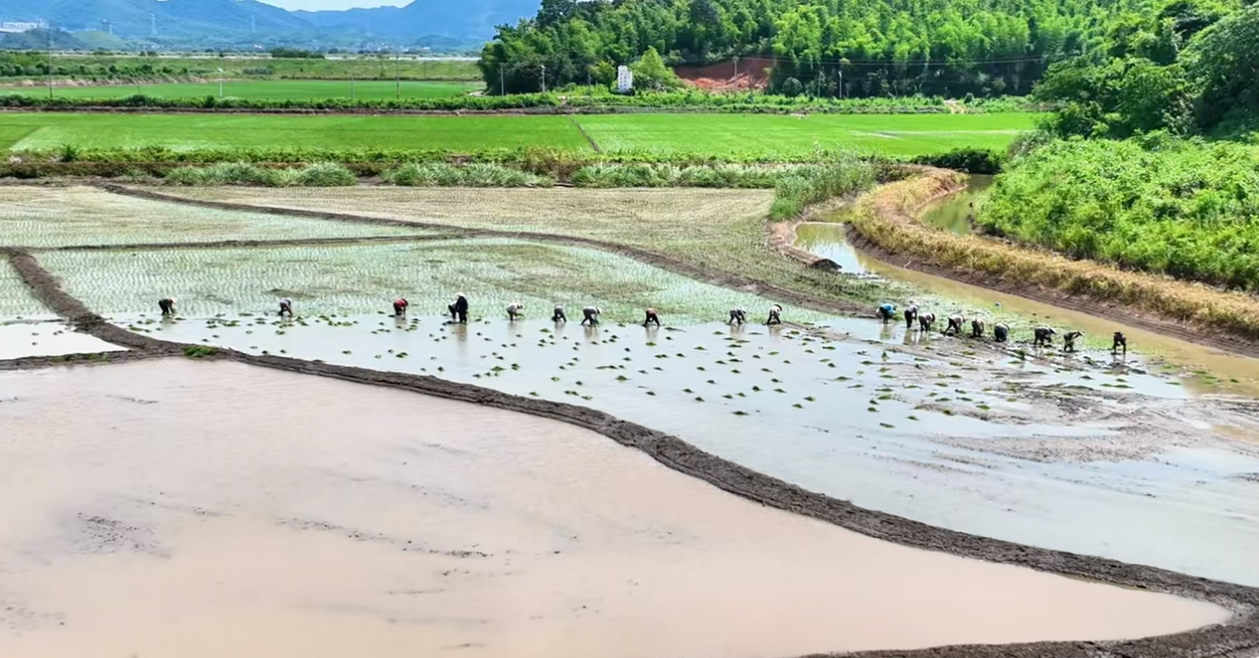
{"points": [[251, 512], [204, 541]]}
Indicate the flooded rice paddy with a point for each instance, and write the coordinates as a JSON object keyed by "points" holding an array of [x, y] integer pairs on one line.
{"points": [[255, 513], [62, 217], [1075, 453], [358, 279], [23, 339]]}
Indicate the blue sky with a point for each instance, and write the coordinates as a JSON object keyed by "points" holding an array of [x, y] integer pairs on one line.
{"points": [[316, 5]]}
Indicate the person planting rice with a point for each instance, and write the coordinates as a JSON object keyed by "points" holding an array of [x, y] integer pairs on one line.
{"points": [[1042, 335], [1068, 340], [775, 314], [652, 318], [926, 320], [459, 310], [286, 307], [167, 304], [738, 316], [400, 307], [515, 310], [955, 325], [558, 315], [976, 328], [1000, 333], [887, 312], [911, 314], [590, 315], [1119, 342]]}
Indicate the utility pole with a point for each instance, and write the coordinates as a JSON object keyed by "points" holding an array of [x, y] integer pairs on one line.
{"points": [[220, 83], [502, 80], [351, 81], [841, 84], [397, 72], [543, 78], [49, 62]]}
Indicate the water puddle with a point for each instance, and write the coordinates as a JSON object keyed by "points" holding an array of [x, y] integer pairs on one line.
{"points": [[23, 339], [254, 513], [1032, 450]]}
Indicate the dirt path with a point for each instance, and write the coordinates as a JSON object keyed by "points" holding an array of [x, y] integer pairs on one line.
{"points": [[702, 274], [585, 134], [1105, 310], [1240, 636]]}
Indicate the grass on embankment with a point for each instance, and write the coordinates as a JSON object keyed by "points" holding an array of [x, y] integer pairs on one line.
{"points": [[727, 136], [886, 218], [1182, 208]]}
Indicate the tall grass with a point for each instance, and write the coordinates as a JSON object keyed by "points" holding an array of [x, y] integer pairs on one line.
{"points": [[326, 174], [441, 174], [794, 191], [606, 175]]}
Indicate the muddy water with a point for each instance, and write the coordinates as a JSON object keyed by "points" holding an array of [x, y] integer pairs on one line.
{"points": [[213, 509], [956, 212], [22, 339], [1065, 453], [1214, 370]]}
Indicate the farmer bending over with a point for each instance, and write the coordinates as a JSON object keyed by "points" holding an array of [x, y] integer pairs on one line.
{"points": [[926, 320], [558, 315], [652, 318], [976, 328], [286, 307], [775, 315], [514, 310], [1120, 342], [590, 315], [1068, 340], [911, 314], [955, 325], [1042, 335], [738, 316], [459, 310], [167, 304], [886, 312], [1000, 333], [400, 307]]}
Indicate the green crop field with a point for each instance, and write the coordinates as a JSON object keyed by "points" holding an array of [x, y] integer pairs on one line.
{"points": [[50, 131], [892, 134], [263, 89], [715, 134]]}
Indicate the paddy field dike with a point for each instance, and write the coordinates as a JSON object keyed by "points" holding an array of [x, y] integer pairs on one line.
{"points": [[345, 481]]}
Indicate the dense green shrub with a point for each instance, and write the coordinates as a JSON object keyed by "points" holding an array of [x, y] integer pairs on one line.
{"points": [[1183, 208]]}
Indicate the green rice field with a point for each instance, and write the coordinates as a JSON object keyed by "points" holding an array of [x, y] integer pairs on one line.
{"points": [[264, 89], [16, 299], [714, 134]]}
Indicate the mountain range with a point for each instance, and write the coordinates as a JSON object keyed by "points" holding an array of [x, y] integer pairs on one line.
{"points": [[185, 23]]}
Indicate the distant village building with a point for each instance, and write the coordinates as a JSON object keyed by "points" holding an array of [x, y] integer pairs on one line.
{"points": [[14, 27]]}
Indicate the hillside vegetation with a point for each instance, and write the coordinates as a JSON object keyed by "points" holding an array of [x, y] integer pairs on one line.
{"points": [[822, 47], [1148, 165]]}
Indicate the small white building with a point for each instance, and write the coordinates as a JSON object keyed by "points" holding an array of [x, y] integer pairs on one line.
{"points": [[624, 79]]}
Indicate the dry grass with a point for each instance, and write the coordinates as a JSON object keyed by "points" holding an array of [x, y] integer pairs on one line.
{"points": [[886, 217], [721, 230]]}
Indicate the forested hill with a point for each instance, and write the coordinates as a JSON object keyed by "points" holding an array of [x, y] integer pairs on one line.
{"points": [[876, 47]]}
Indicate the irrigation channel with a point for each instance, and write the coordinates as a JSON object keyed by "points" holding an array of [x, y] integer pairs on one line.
{"points": [[400, 521]]}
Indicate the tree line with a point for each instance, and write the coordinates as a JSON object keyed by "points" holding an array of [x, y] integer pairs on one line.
{"points": [[1187, 67], [819, 47]]}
